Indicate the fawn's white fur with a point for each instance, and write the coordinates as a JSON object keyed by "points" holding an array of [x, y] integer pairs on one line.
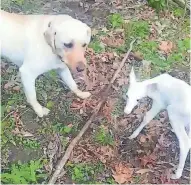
{"points": [[168, 93]]}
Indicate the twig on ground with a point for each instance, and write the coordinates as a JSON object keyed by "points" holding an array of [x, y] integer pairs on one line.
{"points": [[68, 151], [7, 115], [24, 112]]}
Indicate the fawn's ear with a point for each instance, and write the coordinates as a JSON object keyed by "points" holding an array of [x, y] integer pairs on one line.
{"points": [[152, 87], [132, 76]]}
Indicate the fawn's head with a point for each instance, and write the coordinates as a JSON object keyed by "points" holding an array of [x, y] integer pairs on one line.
{"points": [[136, 91]]}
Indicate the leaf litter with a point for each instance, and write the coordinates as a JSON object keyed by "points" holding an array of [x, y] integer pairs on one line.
{"points": [[141, 156]]}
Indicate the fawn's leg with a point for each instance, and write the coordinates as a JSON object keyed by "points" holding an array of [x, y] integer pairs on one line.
{"points": [[156, 108], [184, 141]]}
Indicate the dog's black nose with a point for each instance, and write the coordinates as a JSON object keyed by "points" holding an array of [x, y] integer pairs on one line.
{"points": [[80, 67]]}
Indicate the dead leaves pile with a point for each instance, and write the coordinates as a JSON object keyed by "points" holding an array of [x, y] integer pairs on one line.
{"points": [[114, 39], [166, 46], [122, 174]]}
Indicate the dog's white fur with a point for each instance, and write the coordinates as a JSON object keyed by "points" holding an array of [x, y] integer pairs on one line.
{"points": [[168, 93], [36, 44]]}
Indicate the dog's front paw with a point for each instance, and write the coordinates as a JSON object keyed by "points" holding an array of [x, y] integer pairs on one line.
{"points": [[43, 111], [83, 95]]}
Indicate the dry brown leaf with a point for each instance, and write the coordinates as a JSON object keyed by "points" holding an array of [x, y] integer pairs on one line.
{"points": [[112, 42], [16, 131], [106, 153], [145, 138], [142, 171], [120, 178], [122, 173], [26, 134], [166, 46], [148, 159], [16, 88]]}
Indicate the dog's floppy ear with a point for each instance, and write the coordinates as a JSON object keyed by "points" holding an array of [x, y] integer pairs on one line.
{"points": [[132, 76], [49, 36]]}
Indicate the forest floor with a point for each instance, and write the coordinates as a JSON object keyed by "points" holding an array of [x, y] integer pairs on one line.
{"points": [[104, 154]]}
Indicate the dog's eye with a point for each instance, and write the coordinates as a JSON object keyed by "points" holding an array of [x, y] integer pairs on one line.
{"points": [[68, 45], [84, 45]]}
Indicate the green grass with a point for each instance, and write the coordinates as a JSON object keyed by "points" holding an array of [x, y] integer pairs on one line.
{"points": [[25, 173], [8, 138], [178, 12], [137, 29], [97, 46], [119, 107], [103, 137], [27, 143], [115, 20], [158, 5], [84, 172]]}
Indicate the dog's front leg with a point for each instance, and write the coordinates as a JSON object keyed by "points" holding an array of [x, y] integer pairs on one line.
{"points": [[156, 108], [68, 79], [28, 80]]}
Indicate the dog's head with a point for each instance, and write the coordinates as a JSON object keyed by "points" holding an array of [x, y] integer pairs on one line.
{"points": [[68, 39]]}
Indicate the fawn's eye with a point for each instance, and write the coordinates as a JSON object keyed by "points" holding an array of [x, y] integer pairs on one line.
{"points": [[68, 45]]}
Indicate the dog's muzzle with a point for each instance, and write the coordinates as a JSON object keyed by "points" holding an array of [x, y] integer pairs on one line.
{"points": [[80, 67]]}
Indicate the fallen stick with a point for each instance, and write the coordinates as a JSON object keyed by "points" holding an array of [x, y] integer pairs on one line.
{"points": [[68, 151]]}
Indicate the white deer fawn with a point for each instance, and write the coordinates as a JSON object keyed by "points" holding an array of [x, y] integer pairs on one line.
{"points": [[168, 93]]}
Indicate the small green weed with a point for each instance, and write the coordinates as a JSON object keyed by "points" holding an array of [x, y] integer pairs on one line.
{"points": [[50, 104], [119, 106], [137, 29], [63, 129], [115, 20], [137, 179], [7, 137], [27, 143], [178, 12], [96, 46], [110, 180], [26, 173], [84, 173], [179, 55], [18, 2], [159, 5], [103, 137], [150, 53], [53, 74]]}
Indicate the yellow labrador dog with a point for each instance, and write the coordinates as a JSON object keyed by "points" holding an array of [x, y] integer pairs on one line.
{"points": [[39, 43]]}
